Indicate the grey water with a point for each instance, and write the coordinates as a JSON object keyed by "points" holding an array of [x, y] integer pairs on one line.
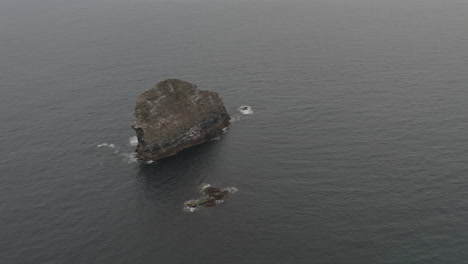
{"points": [[356, 151]]}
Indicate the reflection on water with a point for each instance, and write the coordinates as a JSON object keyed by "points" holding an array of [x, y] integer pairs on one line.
{"points": [[180, 174]]}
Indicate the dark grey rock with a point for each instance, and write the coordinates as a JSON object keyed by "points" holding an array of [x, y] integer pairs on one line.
{"points": [[175, 115]]}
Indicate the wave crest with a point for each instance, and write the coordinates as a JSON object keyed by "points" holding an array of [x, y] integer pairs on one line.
{"points": [[246, 109], [133, 141]]}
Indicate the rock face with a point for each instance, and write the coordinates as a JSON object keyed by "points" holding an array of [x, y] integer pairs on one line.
{"points": [[175, 115], [210, 202], [216, 193]]}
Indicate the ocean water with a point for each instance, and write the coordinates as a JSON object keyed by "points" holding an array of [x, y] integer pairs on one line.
{"points": [[356, 150]]}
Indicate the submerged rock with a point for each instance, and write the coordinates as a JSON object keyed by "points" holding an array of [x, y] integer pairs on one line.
{"points": [[175, 115]]}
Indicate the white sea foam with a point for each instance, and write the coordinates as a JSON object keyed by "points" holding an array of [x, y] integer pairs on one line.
{"points": [[234, 119], [106, 145], [246, 109], [133, 141], [189, 209], [231, 189], [130, 157], [149, 161], [203, 186]]}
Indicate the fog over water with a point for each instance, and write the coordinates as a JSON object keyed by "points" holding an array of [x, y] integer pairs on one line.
{"points": [[355, 151]]}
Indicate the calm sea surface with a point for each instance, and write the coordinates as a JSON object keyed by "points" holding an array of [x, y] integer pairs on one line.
{"points": [[357, 151]]}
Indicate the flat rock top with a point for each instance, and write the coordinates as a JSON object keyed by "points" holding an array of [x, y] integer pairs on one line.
{"points": [[173, 100]]}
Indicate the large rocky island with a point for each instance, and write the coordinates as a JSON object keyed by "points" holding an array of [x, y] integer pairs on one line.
{"points": [[175, 115]]}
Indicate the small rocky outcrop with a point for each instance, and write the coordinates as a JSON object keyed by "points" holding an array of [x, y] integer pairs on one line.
{"points": [[175, 115], [216, 193], [215, 196], [210, 202]]}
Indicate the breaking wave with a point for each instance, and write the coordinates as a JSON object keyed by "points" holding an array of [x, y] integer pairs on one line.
{"points": [[203, 186], [189, 209], [106, 145], [130, 157], [246, 109], [231, 189], [127, 157], [133, 141], [234, 119]]}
